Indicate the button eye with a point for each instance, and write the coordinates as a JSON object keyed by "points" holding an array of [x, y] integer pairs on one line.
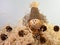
{"points": [[21, 33], [56, 28], [43, 28], [42, 40], [3, 37], [8, 28]]}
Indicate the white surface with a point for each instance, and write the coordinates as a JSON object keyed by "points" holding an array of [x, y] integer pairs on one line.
{"points": [[12, 10]]}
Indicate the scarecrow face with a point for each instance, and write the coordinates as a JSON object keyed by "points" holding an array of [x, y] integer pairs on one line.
{"points": [[35, 23]]}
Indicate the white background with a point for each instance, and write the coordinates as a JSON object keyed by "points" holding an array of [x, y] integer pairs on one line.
{"points": [[11, 11]]}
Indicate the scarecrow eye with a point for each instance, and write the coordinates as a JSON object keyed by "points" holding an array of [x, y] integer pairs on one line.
{"points": [[43, 28], [56, 28]]}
